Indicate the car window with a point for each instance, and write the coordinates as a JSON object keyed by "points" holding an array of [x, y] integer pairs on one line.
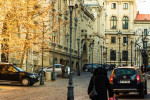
{"points": [[57, 66], [124, 71], [89, 66], [3, 68], [11, 69]]}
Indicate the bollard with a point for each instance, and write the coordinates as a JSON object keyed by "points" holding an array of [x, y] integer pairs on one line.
{"points": [[47, 76]]}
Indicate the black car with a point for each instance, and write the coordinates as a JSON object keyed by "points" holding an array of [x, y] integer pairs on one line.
{"points": [[89, 68], [105, 66], [8, 72], [127, 79]]}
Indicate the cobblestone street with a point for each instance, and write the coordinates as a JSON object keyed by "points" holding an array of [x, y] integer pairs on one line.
{"points": [[57, 90], [51, 90]]}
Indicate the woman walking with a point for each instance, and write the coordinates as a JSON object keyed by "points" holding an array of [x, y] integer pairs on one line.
{"points": [[101, 83]]}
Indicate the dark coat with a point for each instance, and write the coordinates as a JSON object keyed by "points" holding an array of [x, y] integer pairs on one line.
{"points": [[143, 68], [102, 84]]}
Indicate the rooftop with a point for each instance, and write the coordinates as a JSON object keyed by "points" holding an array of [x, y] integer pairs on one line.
{"points": [[142, 17]]}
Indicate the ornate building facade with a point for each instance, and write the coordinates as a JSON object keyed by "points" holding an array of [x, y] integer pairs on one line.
{"points": [[119, 17]]}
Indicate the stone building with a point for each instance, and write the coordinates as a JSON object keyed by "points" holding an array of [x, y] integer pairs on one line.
{"points": [[88, 35], [119, 31], [142, 32], [98, 34]]}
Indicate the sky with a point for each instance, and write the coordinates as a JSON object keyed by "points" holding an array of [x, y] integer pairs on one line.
{"points": [[143, 6]]}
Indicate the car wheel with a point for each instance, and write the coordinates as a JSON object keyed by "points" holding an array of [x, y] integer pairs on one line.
{"points": [[141, 93], [145, 91], [86, 70], [25, 82]]}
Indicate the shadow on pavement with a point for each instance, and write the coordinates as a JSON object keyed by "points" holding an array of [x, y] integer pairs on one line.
{"points": [[132, 96]]}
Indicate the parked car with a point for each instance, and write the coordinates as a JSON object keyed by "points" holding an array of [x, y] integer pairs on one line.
{"points": [[127, 79], [111, 67], [8, 72], [106, 66], [88, 67], [58, 69]]}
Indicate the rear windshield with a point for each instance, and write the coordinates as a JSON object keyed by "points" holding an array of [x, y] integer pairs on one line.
{"points": [[57, 66], [124, 71]]}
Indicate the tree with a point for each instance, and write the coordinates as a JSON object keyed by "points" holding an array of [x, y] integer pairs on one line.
{"points": [[22, 24]]}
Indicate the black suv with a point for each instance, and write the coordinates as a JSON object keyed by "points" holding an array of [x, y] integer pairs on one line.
{"points": [[128, 79], [88, 67], [8, 72]]}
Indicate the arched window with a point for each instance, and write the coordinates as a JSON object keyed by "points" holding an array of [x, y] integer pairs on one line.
{"points": [[113, 22], [125, 22]]}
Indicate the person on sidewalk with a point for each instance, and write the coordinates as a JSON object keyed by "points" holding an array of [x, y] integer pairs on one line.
{"points": [[143, 68], [101, 84]]}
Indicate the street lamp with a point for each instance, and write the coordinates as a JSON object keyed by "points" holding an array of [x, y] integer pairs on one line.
{"points": [[101, 53], [67, 38], [106, 55], [127, 50], [78, 73], [42, 72], [119, 36], [131, 52], [92, 56], [110, 55], [53, 73], [70, 94]]}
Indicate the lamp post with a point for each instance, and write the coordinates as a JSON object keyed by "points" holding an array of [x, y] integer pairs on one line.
{"points": [[53, 73], [70, 94], [106, 55], [67, 38], [92, 56], [131, 52], [42, 72], [127, 51], [101, 53], [135, 54], [119, 36], [110, 55], [78, 73]]}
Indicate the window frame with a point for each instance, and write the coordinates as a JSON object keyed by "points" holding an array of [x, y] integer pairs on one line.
{"points": [[125, 55], [145, 32], [113, 6], [145, 44], [125, 22], [113, 55], [113, 22], [114, 39], [125, 6]]}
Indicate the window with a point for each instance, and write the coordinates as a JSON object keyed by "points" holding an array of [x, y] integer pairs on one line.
{"points": [[113, 55], [113, 22], [124, 71], [125, 55], [124, 39], [113, 39], [145, 44], [125, 6], [113, 5], [11, 69], [125, 22], [145, 32]]}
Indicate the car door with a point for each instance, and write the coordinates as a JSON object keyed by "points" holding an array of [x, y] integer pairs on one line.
{"points": [[3, 72], [12, 73]]}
